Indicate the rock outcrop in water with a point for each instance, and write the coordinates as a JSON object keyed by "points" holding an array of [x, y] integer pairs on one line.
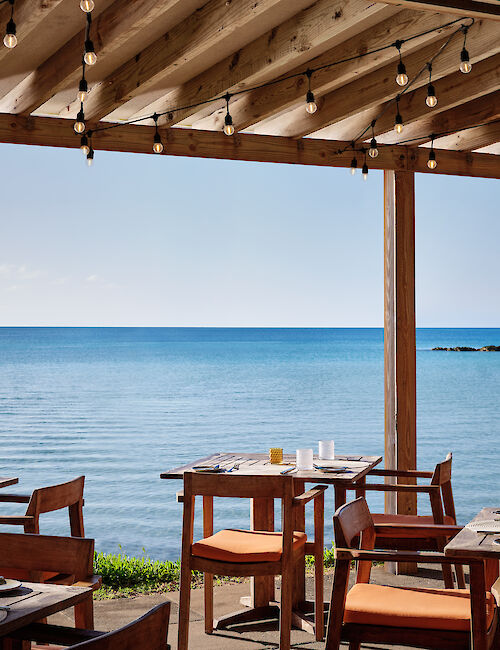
{"points": [[486, 348]]}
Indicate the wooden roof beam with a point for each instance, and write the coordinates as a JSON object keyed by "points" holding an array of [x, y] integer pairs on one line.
{"points": [[469, 8], [110, 30], [380, 86], [260, 104], [57, 132], [216, 26], [471, 139], [27, 16], [481, 110], [305, 35]]}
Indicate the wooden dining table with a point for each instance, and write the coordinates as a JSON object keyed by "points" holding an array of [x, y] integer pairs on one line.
{"points": [[32, 602], [262, 597], [5, 481], [469, 543]]}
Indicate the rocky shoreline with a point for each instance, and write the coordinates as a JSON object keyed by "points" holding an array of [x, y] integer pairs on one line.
{"points": [[486, 348]]}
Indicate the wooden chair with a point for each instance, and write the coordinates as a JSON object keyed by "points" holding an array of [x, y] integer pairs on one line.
{"points": [[69, 560], [419, 532], [47, 499], [150, 631], [428, 618], [244, 552]]}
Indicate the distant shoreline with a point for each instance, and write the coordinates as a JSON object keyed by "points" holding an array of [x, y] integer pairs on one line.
{"points": [[486, 348]]}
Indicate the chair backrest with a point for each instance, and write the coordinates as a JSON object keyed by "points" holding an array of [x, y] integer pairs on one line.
{"points": [[71, 556], [150, 631], [442, 477], [65, 495], [353, 522]]}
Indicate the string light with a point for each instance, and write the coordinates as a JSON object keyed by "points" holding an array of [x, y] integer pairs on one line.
{"points": [[465, 64], [373, 151], [401, 77], [82, 90], [431, 162], [84, 145], [431, 99], [89, 55], [87, 5], [157, 143], [398, 122], [79, 125], [228, 120], [364, 170], [311, 106], [90, 157], [10, 38], [354, 166]]}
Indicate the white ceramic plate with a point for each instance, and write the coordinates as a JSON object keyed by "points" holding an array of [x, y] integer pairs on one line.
{"points": [[491, 526], [10, 585]]}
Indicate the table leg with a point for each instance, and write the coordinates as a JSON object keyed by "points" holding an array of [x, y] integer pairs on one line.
{"points": [[340, 496], [491, 572]]}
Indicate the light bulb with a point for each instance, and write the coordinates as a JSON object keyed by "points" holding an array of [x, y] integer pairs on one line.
{"points": [[10, 38], [354, 165], [431, 99], [228, 125], [157, 143], [311, 106], [401, 77], [87, 5], [364, 172], [432, 163], [82, 90], [373, 151], [79, 126], [465, 64], [90, 56], [84, 145], [90, 157], [398, 125]]}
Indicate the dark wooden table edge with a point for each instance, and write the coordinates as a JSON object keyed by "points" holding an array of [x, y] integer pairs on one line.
{"points": [[6, 481]]}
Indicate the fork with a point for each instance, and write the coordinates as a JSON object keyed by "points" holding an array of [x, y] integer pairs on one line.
{"points": [[234, 467]]}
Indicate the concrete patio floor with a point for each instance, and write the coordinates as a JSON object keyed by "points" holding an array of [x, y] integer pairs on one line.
{"points": [[111, 614]]}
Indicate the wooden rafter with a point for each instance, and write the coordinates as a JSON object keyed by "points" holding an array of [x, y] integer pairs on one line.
{"points": [[302, 37], [471, 139], [110, 29], [481, 110], [27, 15], [471, 8], [57, 132], [379, 86], [262, 103], [214, 28]]}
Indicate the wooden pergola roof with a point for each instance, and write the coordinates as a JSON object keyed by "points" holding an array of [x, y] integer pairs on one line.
{"points": [[160, 54]]}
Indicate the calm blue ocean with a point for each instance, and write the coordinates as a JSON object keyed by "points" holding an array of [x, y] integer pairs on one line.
{"points": [[120, 405]]}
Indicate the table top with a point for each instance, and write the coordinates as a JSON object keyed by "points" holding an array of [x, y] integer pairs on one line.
{"points": [[468, 543], [259, 465], [34, 601], [4, 481]]}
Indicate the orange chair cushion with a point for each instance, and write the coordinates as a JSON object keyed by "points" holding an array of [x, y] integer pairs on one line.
{"points": [[245, 546], [438, 609]]}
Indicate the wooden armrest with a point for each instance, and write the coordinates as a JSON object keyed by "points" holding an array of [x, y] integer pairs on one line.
{"points": [[313, 493], [422, 530], [408, 473], [14, 498], [401, 556], [13, 520], [398, 487], [92, 581], [56, 634]]}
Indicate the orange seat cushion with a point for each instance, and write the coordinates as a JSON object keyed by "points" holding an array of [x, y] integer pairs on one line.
{"points": [[425, 520], [245, 546], [438, 609]]}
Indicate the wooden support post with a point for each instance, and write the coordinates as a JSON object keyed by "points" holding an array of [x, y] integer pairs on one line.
{"points": [[399, 335]]}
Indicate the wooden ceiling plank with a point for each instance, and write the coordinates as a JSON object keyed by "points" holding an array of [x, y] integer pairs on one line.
{"points": [[258, 105], [452, 91], [471, 139], [27, 16], [213, 26], [110, 30], [57, 132], [469, 8], [380, 86], [481, 110], [305, 35]]}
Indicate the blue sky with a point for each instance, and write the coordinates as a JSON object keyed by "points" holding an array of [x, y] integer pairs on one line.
{"points": [[161, 241]]}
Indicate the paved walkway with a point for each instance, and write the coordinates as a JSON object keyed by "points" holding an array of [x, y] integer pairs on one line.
{"points": [[111, 614]]}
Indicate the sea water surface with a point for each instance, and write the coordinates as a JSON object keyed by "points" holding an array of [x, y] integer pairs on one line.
{"points": [[120, 405]]}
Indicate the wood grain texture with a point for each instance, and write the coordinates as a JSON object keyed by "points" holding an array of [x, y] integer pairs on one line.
{"points": [[471, 8]]}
